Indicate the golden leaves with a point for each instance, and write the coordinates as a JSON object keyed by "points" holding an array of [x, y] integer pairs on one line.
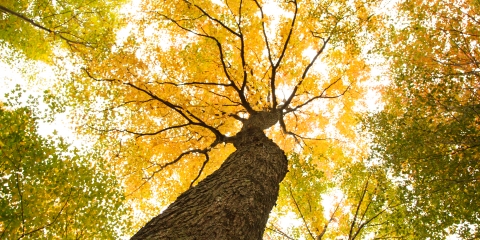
{"points": [[171, 94]]}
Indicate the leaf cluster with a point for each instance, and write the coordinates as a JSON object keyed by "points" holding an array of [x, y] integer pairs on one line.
{"points": [[36, 28], [428, 133], [49, 189]]}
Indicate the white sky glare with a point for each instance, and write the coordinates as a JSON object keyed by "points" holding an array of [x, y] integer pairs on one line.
{"points": [[34, 77]]}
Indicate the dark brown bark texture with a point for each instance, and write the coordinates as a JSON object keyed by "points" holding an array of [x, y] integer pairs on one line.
{"points": [[234, 202]]}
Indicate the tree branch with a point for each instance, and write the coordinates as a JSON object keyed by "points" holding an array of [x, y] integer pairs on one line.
{"points": [[276, 230], [305, 72], [41, 27], [239, 91], [242, 50], [300, 212], [207, 158], [187, 115], [352, 226], [321, 95], [287, 41], [282, 54], [191, 119], [53, 221], [270, 57], [20, 195], [332, 216], [213, 19]]}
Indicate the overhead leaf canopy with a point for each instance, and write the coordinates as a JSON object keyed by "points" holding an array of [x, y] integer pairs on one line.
{"points": [[185, 76], [167, 85]]}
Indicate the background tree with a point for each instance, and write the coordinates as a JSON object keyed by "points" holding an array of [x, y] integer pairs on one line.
{"points": [[191, 77], [428, 132], [301, 193], [372, 205], [349, 202], [49, 189], [36, 28]]}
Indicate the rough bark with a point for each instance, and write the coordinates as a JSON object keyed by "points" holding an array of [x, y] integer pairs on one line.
{"points": [[233, 202]]}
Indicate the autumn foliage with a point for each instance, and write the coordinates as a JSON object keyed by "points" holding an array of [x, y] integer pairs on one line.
{"points": [[188, 74], [165, 87]]}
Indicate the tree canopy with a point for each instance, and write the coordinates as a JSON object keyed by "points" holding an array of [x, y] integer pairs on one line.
{"points": [[187, 75]]}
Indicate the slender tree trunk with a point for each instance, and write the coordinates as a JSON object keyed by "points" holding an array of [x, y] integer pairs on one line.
{"points": [[233, 202]]}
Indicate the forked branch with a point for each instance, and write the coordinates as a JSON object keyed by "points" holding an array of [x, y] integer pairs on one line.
{"points": [[300, 212], [225, 66], [190, 118], [321, 95], [207, 159], [276, 65], [203, 151], [304, 75]]}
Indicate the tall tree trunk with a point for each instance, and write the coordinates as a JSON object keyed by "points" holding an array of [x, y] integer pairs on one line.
{"points": [[233, 202]]}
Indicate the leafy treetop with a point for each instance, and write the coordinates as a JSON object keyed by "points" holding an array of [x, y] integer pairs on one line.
{"points": [[192, 74]]}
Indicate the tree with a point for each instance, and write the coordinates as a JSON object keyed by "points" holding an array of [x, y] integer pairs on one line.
{"points": [[50, 190], [428, 132], [196, 79]]}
